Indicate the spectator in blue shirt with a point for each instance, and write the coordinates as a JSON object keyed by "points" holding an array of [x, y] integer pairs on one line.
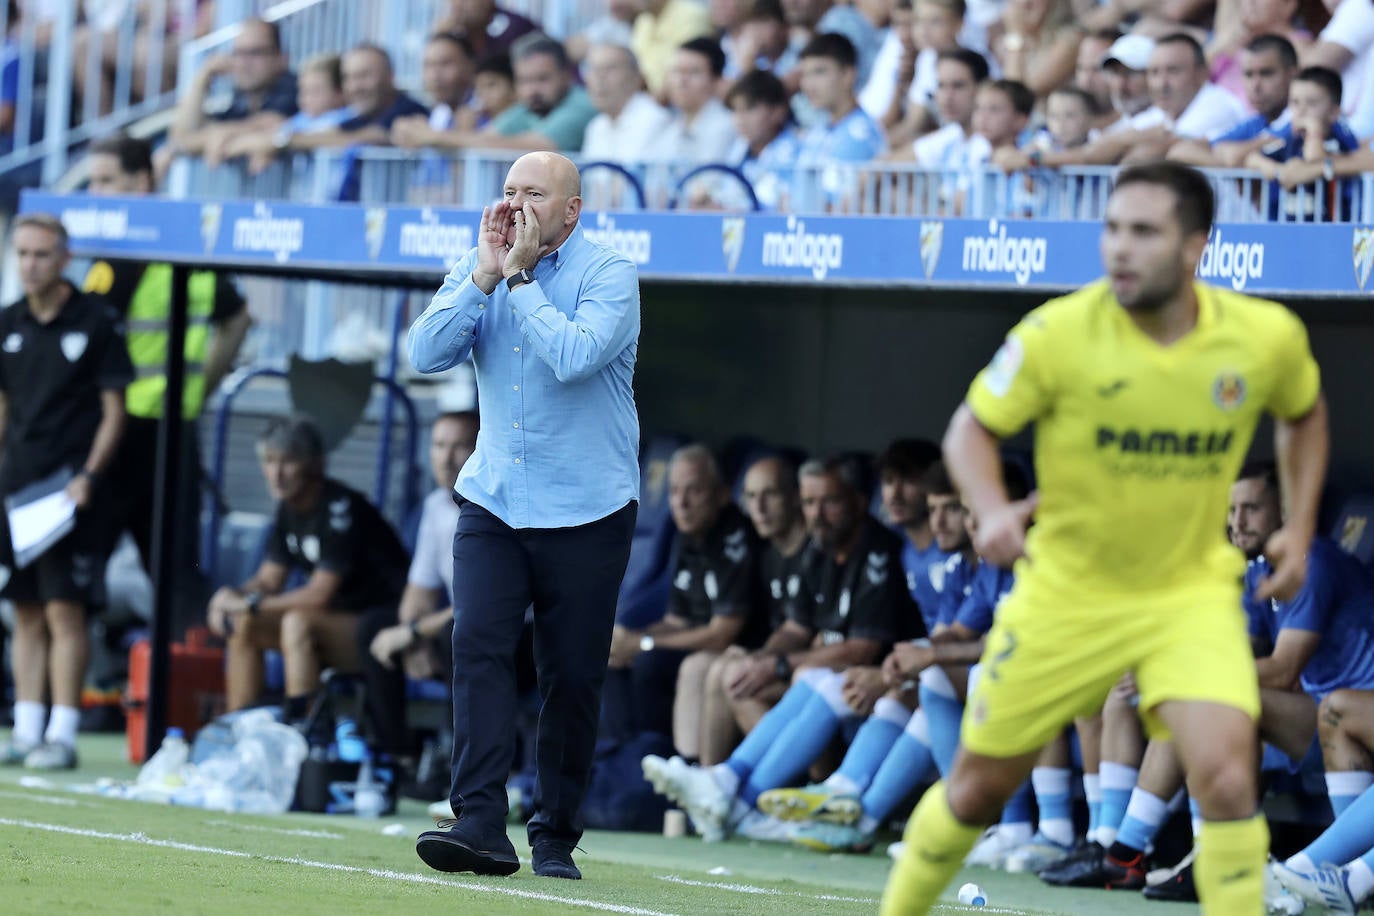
{"points": [[1315, 133], [320, 97], [768, 146], [845, 133], [369, 85], [551, 322], [1268, 64]]}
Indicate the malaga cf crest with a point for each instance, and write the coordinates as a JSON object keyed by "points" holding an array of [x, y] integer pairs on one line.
{"points": [[1363, 253]]}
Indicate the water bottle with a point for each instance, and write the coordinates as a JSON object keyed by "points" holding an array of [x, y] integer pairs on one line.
{"points": [[166, 768], [368, 798]]}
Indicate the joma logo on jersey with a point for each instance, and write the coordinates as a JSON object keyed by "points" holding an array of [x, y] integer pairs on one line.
{"points": [[1165, 441]]}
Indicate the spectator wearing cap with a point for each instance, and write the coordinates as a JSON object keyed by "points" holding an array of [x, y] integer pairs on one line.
{"points": [[1269, 63], [663, 27], [701, 129], [1185, 103], [350, 557]]}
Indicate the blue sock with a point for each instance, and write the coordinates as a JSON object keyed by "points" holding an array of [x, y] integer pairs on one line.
{"points": [[944, 714], [1051, 786], [1351, 836], [873, 743], [1343, 788], [1143, 817], [765, 733], [799, 743], [908, 764], [1117, 782], [1195, 815], [1018, 809]]}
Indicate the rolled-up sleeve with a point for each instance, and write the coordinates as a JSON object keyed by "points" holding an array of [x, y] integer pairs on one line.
{"points": [[443, 336], [605, 321]]}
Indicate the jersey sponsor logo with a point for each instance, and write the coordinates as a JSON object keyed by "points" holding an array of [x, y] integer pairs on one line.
{"points": [[14, 343], [932, 240], [997, 253], [263, 232], [1362, 251], [683, 581], [1165, 441], [74, 344], [1228, 391], [732, 240], [310, 548], [1006, 362], [819, 252], [775, 589], [710, 586], [635, 244], [1236, 262]]}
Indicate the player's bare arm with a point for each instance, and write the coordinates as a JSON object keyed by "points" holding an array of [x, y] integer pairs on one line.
{"points": [[1302, 447]]}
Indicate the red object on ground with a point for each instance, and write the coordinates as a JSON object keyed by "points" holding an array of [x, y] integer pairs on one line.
{"points": [[197, 685]]}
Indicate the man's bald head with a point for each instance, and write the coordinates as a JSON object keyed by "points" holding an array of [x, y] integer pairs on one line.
{"points": [[550, 185], [558, 170]]}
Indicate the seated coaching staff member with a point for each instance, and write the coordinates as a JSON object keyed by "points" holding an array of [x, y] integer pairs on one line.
{"points": [[353, 561], [551, 320], [63, 368]]}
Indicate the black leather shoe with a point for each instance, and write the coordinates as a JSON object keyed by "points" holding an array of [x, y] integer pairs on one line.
{"points": [[1178, 888], [554, 860], [466, 846]]}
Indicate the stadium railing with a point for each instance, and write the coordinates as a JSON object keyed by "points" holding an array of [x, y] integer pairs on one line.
{"points": [[378, 175]]}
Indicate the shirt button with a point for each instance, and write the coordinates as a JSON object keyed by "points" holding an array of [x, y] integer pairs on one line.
{"points": [[481, 305], [517, 387], [517, 460], [516, 425], [462, 333], [517, 349]]}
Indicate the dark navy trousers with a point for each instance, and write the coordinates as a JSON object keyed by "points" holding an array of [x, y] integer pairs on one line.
{"points": [[572, 578]]}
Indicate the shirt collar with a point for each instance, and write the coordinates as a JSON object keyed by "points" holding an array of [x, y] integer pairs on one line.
{"points": [[575, 241]]}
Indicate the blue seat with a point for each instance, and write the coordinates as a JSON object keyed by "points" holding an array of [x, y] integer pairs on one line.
{"points": [[644, 592], [1353, 530]]}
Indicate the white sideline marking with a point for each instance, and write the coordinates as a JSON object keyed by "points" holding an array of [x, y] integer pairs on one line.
{"points": [[45, 799], [145, 840], [765, 891], [315, 834]]}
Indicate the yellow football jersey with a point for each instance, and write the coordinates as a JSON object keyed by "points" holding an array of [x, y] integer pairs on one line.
{"points": [[1137, 444]]}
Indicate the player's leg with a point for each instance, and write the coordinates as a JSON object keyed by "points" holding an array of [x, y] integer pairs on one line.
{"points": [[243, 662], [310, 641], [1089, 729], [747, 712], [718, 733], [689, 702], [29, 660], [1161, 776], [1123, 749], [69, 651], [1345, 725], [947, 822], [1288, 720]]}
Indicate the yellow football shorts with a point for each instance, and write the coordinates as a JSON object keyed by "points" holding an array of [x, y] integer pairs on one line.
{"points": [[1043, 665]]}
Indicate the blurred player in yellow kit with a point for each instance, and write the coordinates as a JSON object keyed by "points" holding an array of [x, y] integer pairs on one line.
{"points": [[1145, 389]]}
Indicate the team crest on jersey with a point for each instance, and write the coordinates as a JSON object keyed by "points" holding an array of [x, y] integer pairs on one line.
{"points": [[683, 580], [1228, 391], [932, 240], [711, 586], [877, 568], [736, 546], [14, 343], [1363, 252], [74, 344], [1004, 366], [843, 606], [310, 548]]}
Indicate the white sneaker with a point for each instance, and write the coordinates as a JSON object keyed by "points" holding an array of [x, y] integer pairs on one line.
{"points": [[51, 755], [992, 850], [1035, 856], [895, 850], [1279, 900], [758, 826], [1326, 886], [692, 788]]}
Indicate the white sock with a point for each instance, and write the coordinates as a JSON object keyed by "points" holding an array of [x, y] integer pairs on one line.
{"points": [[28, 722], [726, 778], [62, 725], [1361, 879], [841, 784], [1092, 787], [1301, 862]]}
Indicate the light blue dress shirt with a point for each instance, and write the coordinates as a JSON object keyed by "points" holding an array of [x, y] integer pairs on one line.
{"points": [[559, 444]]}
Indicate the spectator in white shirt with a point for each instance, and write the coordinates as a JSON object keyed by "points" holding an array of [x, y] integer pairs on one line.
{"points": [[1346, 45], [701, 129], [1186, 103], [959, 72], [629, 122]]}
